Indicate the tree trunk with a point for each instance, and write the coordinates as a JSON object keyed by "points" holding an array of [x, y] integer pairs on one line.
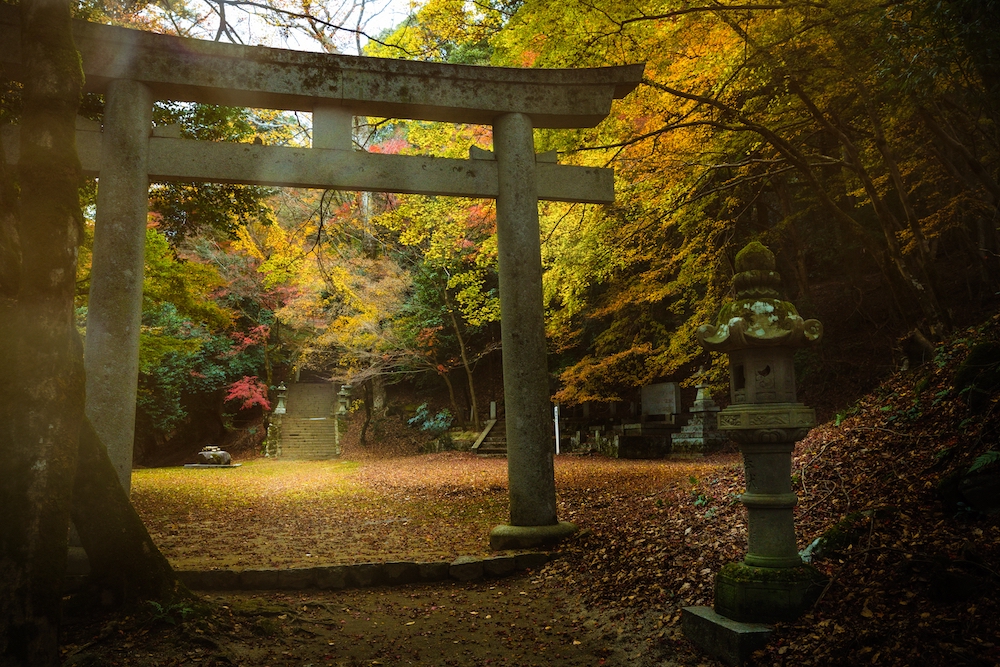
{"points": [[443, 372], [41, 402], [124, 560], [918, 283], [367, 390], [794, 238], [468, 368], [378, 395]]}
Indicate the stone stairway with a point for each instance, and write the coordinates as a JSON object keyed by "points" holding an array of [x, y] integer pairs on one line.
{"points": [[307, 429], [495, 443]]}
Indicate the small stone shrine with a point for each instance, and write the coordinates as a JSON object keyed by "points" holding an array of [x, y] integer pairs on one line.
{"points": [[212, 456], [759, 331], [701, 435]]}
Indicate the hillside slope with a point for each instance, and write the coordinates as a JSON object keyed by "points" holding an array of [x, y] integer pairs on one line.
{"points": [[912, 555]]}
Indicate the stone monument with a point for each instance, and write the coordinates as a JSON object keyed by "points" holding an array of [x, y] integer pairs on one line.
{"points": [[650, 437], [340, 414], [760, 331], [701, 434], [212, 456]]}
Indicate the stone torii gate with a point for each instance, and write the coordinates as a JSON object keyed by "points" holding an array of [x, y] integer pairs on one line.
{"points": [[133, 69]]}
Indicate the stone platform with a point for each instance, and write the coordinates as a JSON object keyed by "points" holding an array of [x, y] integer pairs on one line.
{"points": [[730, 641], [364, 575], [212, 465]]}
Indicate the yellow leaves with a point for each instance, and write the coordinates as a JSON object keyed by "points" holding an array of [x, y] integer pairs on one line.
{"points": [[185, 282], [450, 30], [278, 252], [478, 305]]}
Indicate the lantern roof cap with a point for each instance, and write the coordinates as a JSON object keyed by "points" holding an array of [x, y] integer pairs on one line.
{"points": [[758, 317]]}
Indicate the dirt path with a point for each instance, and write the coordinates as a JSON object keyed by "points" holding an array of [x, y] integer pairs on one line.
{"points": [[519, 621], [274, 514]]}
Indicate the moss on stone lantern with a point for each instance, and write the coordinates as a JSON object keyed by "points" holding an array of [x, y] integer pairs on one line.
{"points": [[759, 332]]}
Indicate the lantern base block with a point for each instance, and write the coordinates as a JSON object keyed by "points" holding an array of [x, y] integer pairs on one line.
{"points": [[722, 638], [766, 594], [528, 537]]}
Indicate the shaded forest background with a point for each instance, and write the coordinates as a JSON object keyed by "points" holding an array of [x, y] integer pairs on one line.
{"points": [[858, 140]]}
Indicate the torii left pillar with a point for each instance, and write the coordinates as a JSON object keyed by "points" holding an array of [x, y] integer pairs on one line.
{"points": [[114, 313], [530, 467]]}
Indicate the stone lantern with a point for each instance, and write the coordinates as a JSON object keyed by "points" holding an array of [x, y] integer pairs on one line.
{"points": [[343, 399], [760, 332], [343, 402], [282, 397]]}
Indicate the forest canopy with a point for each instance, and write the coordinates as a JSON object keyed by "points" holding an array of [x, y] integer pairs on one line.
{"points": [[856, 139]]}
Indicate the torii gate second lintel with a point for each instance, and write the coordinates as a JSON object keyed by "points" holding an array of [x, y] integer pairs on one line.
{"points": [[133, 69]]}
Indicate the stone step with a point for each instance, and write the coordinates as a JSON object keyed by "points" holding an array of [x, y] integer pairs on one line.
{"points": [[495, 443], [308, 428]]}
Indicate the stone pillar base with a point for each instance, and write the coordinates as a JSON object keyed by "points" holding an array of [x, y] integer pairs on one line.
{"points": [[766, 594], [528, 537], [730, 641]]}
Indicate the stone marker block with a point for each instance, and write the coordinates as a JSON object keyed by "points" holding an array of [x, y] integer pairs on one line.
{"points": [[434, 571], [661, 399], [730, 641], [466, 568], [333, 577], [499, 566], [404, 572], [296, 579], [531, 560], [259, 580], [364, 575]]}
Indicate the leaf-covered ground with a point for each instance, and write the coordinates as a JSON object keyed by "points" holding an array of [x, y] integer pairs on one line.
{"points": [[913, 572]]}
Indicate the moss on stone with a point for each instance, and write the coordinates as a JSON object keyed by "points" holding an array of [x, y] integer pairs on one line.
{"points": [[743, 573], [754, 257]]}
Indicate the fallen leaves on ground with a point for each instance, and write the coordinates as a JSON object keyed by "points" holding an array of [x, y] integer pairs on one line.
{"points": [[913, 575]]}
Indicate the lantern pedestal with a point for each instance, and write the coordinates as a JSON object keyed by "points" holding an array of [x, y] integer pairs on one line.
{"points": [[766, 594], [771, 584]]}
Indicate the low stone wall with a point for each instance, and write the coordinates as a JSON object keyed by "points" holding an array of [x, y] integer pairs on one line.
{"points": [[362, 575]]}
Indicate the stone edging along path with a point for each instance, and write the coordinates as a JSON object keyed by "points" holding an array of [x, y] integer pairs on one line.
{"points": [[362, 575]]}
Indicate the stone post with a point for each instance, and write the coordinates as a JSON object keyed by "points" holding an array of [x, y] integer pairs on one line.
{"points": [[530, 467], [332, 127], [115, 306], [760, 332], [280, 409]]}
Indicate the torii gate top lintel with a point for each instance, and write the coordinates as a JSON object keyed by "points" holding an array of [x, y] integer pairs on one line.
{"points": [[193, 70]]}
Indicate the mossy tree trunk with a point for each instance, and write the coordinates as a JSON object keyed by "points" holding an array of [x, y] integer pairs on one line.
{"points": [[124, 561], [42, 393], [41, 400]]}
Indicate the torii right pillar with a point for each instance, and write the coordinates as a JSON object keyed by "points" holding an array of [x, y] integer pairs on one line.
{"points": [[530, 466]]}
